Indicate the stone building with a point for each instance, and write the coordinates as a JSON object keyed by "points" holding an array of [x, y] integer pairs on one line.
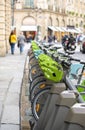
{"points": [[5, 26], [53, 16], [40, 17]]}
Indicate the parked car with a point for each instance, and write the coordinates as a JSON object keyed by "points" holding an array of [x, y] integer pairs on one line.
{"points": [[82, 46]]}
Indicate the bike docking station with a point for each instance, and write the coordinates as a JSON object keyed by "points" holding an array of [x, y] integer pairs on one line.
{"points": [[75, 119], [54, 92], [65, 100], [61, 105], [54, 115]]}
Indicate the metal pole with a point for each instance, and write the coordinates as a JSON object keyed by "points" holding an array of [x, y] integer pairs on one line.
{"points": [[13, 3]]}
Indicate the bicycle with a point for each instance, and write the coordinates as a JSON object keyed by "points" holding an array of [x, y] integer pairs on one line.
{"points": [[68, 87], [45, 65]]}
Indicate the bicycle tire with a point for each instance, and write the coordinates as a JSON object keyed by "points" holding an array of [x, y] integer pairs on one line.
{"points": [[35, 81], [33, 60], [39, 74], [34, 66], [31, 57], [40, 86], [38, 102], [30, 52], [34, 63], [34, 72]]}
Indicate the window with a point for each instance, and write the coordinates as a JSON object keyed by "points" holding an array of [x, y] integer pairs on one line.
{"points": [[12, 2], [29, 3]]}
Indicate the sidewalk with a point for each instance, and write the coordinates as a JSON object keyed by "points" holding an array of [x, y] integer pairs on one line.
{"points": [[11, 75]]}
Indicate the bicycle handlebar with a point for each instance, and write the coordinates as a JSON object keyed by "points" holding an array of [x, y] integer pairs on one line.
{"points": [[74, 59], [82, 62]]}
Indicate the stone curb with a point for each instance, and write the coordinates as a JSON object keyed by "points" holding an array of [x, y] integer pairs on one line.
{"points": [[25, 104]]}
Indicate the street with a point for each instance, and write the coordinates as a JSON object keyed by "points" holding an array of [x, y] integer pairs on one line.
{"points": [[77, 54]]}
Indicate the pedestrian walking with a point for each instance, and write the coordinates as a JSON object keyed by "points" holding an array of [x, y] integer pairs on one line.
{"points": [[54, 39], [50, 39], [21, 42], [12, 41]]}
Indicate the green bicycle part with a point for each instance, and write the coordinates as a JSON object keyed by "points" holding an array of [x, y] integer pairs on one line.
{"points": [[35, 48], [47, 63], [37, 53], [52, 72], [81, 89], [44, 57], [34, 45], [51, 69]]}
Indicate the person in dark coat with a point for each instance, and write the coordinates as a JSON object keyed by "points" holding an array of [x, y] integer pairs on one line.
{"points": [[50, 39]]}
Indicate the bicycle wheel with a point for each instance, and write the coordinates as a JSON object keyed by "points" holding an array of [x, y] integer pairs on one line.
{"points": [[38, 102], [34, 76], [30, 52], [31, 57], [40, 86], [33, 65], [32, 61], [34, 72], [35, 81]]}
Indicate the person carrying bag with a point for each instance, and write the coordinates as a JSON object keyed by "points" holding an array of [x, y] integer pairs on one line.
{"points": [[21, 42]]}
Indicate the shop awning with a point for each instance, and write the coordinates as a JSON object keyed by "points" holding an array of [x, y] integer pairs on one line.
{"points": [[64, 29], [72, 30], [75, 31], [28, 28], [59, 29], [53, 28], [78, 30]]}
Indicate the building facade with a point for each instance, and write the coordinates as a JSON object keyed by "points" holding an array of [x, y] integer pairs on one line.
{"points": [[49, 13], [41, 16], [5, 26]]}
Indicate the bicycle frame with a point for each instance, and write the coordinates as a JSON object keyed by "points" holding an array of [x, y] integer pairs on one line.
{"points": [[80, 84]]}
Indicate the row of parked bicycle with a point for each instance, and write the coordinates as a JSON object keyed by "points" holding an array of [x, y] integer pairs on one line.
{"points": [[57, 89]]}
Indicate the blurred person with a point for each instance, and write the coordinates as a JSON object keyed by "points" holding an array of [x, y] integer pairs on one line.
{"points": [[50, 39], [21, 42], [54, 39], [12, 41], [44, 39], [71, 38], [71, 42], [64, 39]]}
